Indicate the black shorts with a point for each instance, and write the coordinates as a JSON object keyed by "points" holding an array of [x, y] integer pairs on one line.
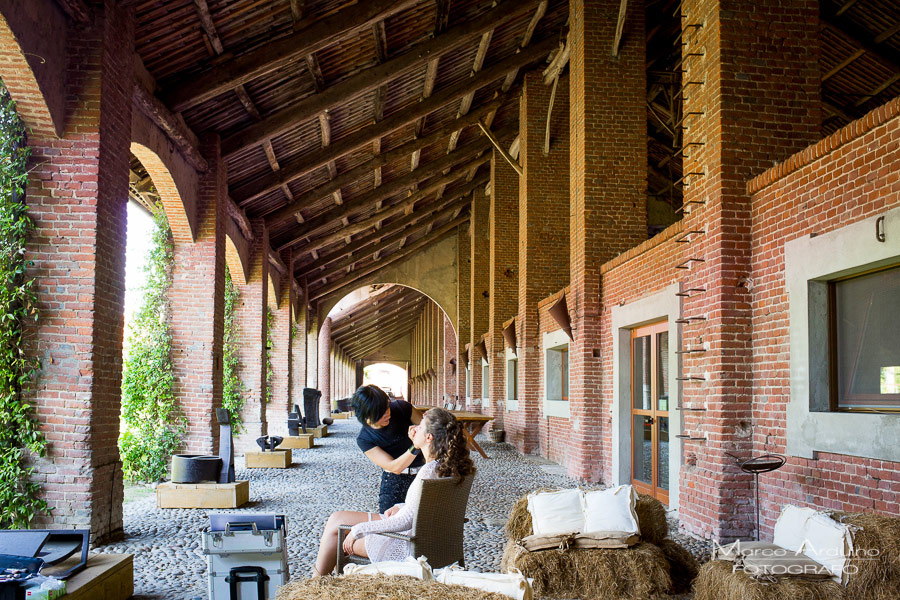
{"points": [[393, 490]]}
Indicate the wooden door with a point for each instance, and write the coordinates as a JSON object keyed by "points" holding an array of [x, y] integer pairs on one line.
{"points": [[650, 410]]}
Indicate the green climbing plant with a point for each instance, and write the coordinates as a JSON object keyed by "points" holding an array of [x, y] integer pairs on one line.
{"points": [[232, 387], [270, 346], [20, 436], [153, 423]]}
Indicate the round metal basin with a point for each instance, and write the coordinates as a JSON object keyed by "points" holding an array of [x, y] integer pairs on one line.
{"points": [[193, 468]]}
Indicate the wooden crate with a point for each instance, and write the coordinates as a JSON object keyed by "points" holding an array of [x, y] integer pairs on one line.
{"points": [[202, 495], [341, 415], [319, 432], [106, 577], [304, 440], [281, 458]]}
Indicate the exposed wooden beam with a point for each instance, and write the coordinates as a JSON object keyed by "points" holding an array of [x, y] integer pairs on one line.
{"points": [[620, 25], [385, 213], [887, 33], [270, 155], [180, 135], [373, 77], [380, 339], [248, 104], [239, 217], [526, 39], [845, 7], [380, 344], [872, 93], [297, 7], [280, 53], [76, 10], [315, 71], [863, 40], [375, 304], [270, 183], [843, 64], [365, 326], [385, 191], [208, 26], [499, 148], [436, 236], [276, 262], [442, 16]]}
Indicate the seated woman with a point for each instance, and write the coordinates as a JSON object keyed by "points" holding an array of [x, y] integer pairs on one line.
{"points": [[440, 438]]}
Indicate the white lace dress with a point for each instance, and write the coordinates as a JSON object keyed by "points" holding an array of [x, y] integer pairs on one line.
{"points": [[380, 547]]}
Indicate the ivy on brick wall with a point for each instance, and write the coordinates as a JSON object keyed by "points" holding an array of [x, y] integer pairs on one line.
{"points": [[20, 436], [232, 388], [153, 423], [270, 346]]}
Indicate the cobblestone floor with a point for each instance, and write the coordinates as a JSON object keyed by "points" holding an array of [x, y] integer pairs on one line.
{"points": [[168, 563]]}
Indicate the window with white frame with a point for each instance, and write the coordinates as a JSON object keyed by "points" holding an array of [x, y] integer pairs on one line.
{"points": [[468, 383], [485, 381], [556, 374], [512, 379]]}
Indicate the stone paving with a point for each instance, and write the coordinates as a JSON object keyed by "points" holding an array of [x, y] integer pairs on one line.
{"points": [[168, 562]]}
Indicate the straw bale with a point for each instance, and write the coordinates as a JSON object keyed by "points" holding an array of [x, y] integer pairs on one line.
{"points": [[637, 573], [379, 587], [683, 567], [717, 581], [650, 511], [874, 568]]}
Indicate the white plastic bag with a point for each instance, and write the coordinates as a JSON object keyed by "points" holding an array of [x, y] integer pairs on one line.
{"points": [[411, 567], [512, 584]]}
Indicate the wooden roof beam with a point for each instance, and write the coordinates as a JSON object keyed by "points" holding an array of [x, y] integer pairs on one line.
{"points": [[371, 78], [376, 325], [367, 307], [327, 290], [862, 39], [377, 339], [76, 10], [350, 229], [381, 344], [526, 39], [280, 53]]}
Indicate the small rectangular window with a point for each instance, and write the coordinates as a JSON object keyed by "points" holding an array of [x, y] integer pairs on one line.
{"points": [[485, 381], [512, 379], [557, 373], [864, 326]]}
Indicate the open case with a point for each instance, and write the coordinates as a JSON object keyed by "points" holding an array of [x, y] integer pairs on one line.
{"points": [[64, 551]]}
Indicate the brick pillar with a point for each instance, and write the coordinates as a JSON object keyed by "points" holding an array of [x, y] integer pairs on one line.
{"points": [[464, 302], [298, 355], [250, 316], [279, 400], [197, 304], [312, 351], [543, 242], [451, 352], [479, 291], [748, 47], [325, 368], [608, 195], [504, 274], [76, 194]]}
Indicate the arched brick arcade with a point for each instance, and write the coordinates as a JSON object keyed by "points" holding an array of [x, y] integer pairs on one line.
{"points": [[512, 194]]}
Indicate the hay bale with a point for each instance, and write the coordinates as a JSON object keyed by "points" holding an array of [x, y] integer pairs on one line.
{"points": [[367, 587], [640, 572], [874, 568], [683, 567], [650, 511], [717, 581]]}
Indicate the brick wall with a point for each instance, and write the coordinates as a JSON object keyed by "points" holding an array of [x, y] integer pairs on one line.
{"points": [[75, 193], [504, 274], [298, 355], [480, 287], [543, 239], [450, 352], [849, 176], [464, 303], [324, 372], [279, 401]]}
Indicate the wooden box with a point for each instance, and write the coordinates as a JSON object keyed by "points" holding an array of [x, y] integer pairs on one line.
{"points": [[340, 415], [106, 577], [281, 458], [202, 495], [304, 440], [319, 432]]}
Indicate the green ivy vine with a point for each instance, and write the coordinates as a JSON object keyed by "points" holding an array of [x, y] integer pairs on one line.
{"points": [[233, 389], [153, 423], [270, 346], [20, 436]]}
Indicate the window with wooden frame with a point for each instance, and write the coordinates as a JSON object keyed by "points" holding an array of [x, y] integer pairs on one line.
{"points": [[864, 341]]}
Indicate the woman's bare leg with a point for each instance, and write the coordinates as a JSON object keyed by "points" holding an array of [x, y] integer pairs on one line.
{"points": [[327, 557]]}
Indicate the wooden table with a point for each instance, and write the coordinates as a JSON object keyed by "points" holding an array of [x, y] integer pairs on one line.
{"points": [[472, 423]]}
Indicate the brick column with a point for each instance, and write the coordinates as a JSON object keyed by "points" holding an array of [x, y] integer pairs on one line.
{"points": [[279, 400], [250, 316], [748, 47], [197, 304], [451, 351], [312, 352], [504, 273], [298, 356], [543, 242], [464, 302], [479, 291], [325, 368], [76, 194]]}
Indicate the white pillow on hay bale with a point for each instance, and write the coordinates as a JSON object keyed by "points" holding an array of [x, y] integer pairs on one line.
{"points": [[556, 512]]}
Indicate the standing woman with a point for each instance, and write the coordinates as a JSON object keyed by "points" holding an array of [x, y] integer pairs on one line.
{"points": [[441, 440], [385, 439]]}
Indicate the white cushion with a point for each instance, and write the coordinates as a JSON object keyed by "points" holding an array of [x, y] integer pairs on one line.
{"points": [[513, 584], [411, 567], [790, 528], [611, 510], [556, 512], [828, 543]]}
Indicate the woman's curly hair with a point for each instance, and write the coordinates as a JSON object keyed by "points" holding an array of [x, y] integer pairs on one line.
{"points": [[448, 444]]}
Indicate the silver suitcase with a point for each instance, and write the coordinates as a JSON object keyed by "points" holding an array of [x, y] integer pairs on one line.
{"points": [[245, 556]]}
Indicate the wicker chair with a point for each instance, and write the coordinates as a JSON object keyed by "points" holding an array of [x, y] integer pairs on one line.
{"points": [[437, 530]]}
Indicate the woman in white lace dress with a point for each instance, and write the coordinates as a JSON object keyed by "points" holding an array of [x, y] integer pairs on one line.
{"points": [[440, 438]]}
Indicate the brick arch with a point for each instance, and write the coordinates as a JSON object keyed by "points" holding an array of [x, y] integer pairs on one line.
{"points": [[169, 194], [32, 63], [236, 261]]}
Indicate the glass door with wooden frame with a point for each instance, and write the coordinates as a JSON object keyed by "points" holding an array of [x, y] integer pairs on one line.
{"points": [[650, 410]]}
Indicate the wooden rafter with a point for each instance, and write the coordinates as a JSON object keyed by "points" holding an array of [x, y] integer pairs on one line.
{"points": [[499, 148], [76, 10], [620, 26], [369, 79], [397, 311], [182, 137]]}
